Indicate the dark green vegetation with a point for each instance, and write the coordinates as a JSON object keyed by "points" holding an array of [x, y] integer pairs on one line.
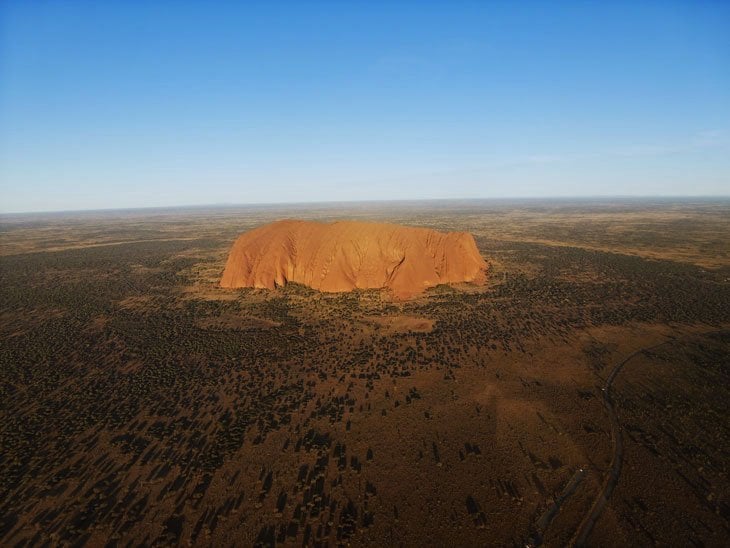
{"points": [[139, 403]]}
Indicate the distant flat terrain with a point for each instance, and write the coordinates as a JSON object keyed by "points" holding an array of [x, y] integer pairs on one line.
{"points": [[140, 403]]}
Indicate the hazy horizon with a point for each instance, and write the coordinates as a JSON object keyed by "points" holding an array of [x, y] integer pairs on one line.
{"points": [[503, 200], [121, 106]]}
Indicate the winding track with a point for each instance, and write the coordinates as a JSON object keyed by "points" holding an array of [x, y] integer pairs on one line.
{"points": [[586, 526]]}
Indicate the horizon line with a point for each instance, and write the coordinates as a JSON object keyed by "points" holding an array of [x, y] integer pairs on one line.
{"points": [[579, 197]]}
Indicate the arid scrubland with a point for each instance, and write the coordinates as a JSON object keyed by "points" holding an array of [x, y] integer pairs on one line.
{"points": [[140, 403]]}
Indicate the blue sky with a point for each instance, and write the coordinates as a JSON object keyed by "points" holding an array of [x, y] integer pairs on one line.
{"points": [[135, 104]]}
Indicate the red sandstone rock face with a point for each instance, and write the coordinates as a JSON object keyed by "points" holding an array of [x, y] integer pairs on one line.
{"points": [[345, 255]]}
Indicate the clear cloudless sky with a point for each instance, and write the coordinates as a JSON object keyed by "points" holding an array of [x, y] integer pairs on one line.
{"points": [[136, 104]]}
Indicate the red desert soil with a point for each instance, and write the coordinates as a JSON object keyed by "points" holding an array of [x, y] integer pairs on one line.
{"points": [[402, 324], [346, 255]]}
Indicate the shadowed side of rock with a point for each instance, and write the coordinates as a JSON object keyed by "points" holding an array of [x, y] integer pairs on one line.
{"points": [[345, 255]]}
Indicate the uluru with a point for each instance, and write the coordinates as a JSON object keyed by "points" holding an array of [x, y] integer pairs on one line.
{"points": [[345, 255]]}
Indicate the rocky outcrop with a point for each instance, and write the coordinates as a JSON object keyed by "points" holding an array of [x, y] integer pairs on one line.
{"points": [[345, 255]]}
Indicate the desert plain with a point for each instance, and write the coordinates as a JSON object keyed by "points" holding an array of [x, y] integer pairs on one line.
{"points": [[580, 395]]}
